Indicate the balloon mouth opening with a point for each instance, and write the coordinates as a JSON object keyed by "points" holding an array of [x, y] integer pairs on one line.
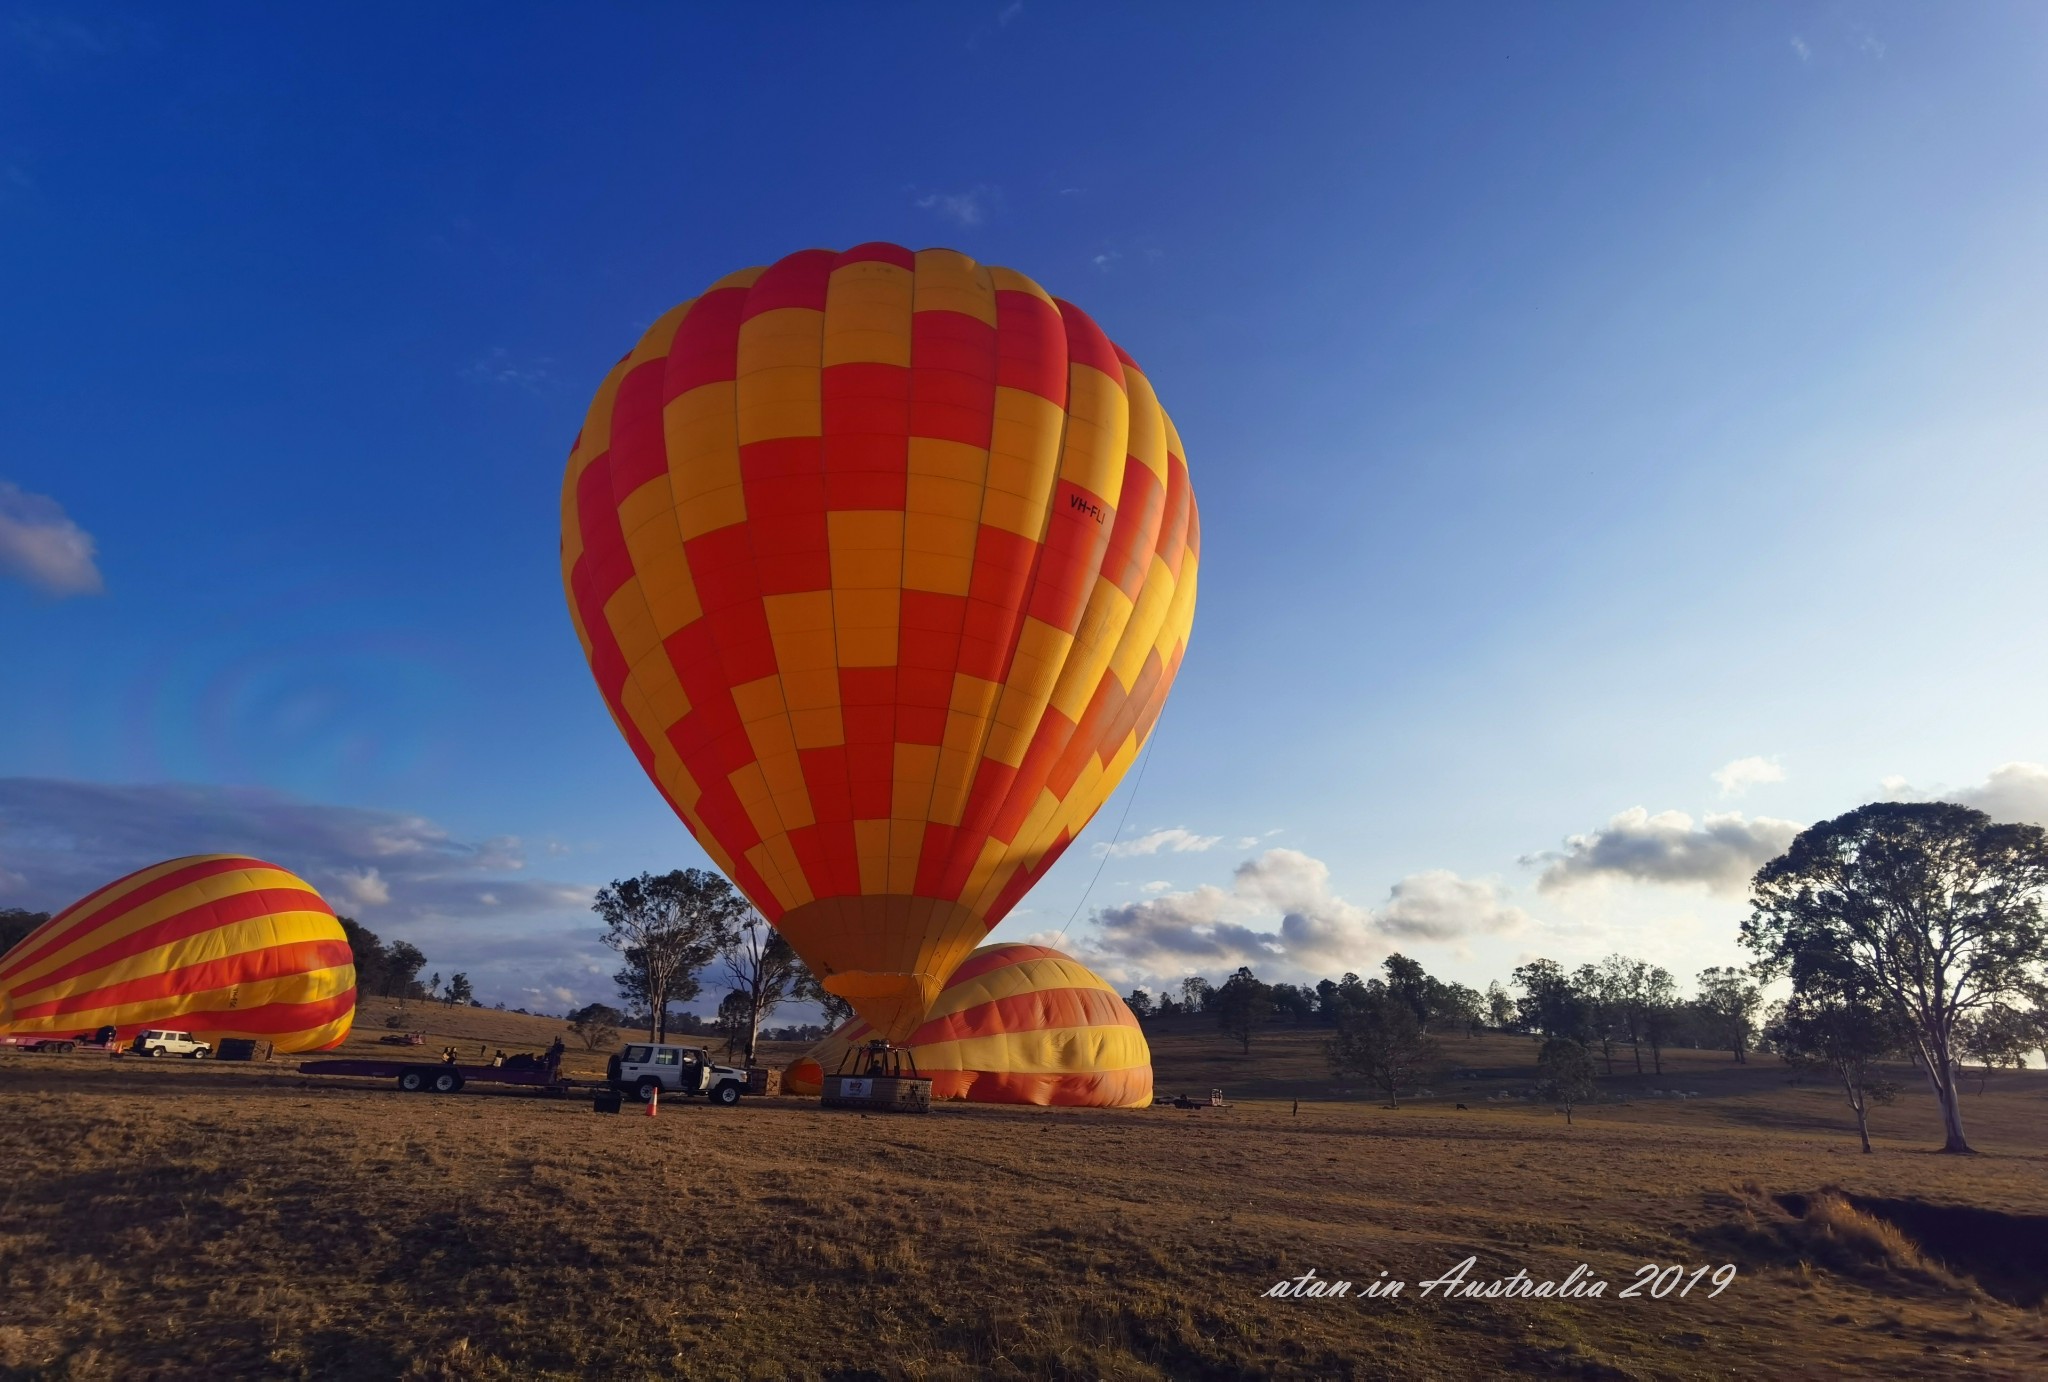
{"points": [[893, 1004]]}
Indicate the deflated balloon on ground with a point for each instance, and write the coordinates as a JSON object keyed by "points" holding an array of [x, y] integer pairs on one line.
{"points": [[216, 944], [1018, 1024]]}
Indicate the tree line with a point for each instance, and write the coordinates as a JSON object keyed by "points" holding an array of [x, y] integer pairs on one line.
{"points": [[1621, 1002], [391, 969], [1908, 932], [16, 923]]}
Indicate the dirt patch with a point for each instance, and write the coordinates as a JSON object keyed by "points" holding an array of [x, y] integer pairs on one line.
{"points": [[2006, 1254], [1901, 1245]]}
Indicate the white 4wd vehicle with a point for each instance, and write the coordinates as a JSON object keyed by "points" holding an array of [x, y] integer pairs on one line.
{"points": [[641, 1068], [156, 1043]]}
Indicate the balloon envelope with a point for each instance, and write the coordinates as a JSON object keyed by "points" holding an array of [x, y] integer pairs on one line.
{"points": [[884, 563], [1018, 1024], [217, 944]]}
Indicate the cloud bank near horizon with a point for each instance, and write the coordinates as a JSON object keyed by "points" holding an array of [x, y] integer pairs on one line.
{"points": [[1280, 916], [469, 904], [1721, 853]]}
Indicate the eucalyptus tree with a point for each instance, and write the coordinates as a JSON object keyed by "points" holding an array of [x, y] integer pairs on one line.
{"points": [[1935, 908]]}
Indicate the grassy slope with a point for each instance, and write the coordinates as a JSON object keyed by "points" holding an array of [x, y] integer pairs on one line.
{"points": [[191, 1221]]}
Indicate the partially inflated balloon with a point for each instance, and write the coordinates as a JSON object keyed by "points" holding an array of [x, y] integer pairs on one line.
{"points": [[884, 563], [216, 944], [1018, 1024]]}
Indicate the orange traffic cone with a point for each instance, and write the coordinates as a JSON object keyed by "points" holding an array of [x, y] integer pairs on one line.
{"points": [[653, 1100]]}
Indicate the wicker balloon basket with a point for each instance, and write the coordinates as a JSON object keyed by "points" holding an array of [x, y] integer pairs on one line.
{"points": [[878, 1093]]}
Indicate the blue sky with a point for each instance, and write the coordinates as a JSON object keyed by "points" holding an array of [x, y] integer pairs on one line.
{"points": [[1580, 401]]}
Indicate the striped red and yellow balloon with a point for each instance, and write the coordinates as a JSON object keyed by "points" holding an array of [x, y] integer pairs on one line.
{"points": [[216, 944], [1018, 1024], [884, 562]]}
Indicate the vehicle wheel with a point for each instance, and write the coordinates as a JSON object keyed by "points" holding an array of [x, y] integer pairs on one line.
{"points": [[448, 1082], [156, 1050], [199, 1055], [412, 1082], [644, 1091], [727, 1094]]}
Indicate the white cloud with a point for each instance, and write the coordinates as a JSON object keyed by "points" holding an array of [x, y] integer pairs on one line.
{"points": [[968, 208], [1744, 773], [362, 888], [1157, 885], [1721, 852], [1800, 47], [1106, 260], [1439, 905], [498, 367], [1173, 841], [1214, 930], [2014, 792], [40, 544], [1009, 12]]}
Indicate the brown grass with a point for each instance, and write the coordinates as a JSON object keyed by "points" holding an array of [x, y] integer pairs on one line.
{"points": [[172, 1221]]}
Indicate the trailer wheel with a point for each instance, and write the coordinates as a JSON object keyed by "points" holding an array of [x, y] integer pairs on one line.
{"points": [[448, 1082], [412, 1081], [727, 1094], [644, 1091]]}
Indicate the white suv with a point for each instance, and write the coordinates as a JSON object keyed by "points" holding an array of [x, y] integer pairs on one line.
{"points": [[641, 1068], [156, 1043]]}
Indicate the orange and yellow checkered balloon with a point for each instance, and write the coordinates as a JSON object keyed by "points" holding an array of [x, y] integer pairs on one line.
{"points": [[884, 562], [216, 944]]}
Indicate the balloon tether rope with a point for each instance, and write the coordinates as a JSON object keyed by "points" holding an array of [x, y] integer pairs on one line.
{"points": [[1129, 801]]}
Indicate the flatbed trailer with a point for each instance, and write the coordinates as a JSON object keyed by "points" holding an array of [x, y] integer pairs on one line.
{"points": [[61, 1044], [440, 1077]]}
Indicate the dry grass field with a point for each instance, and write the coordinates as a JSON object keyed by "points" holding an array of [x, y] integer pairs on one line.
{"points": [[171, 1220]]}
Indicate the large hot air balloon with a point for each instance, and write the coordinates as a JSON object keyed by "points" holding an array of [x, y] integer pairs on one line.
{"points": [[217, 944], [1018, 1024], [884, 562]]}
